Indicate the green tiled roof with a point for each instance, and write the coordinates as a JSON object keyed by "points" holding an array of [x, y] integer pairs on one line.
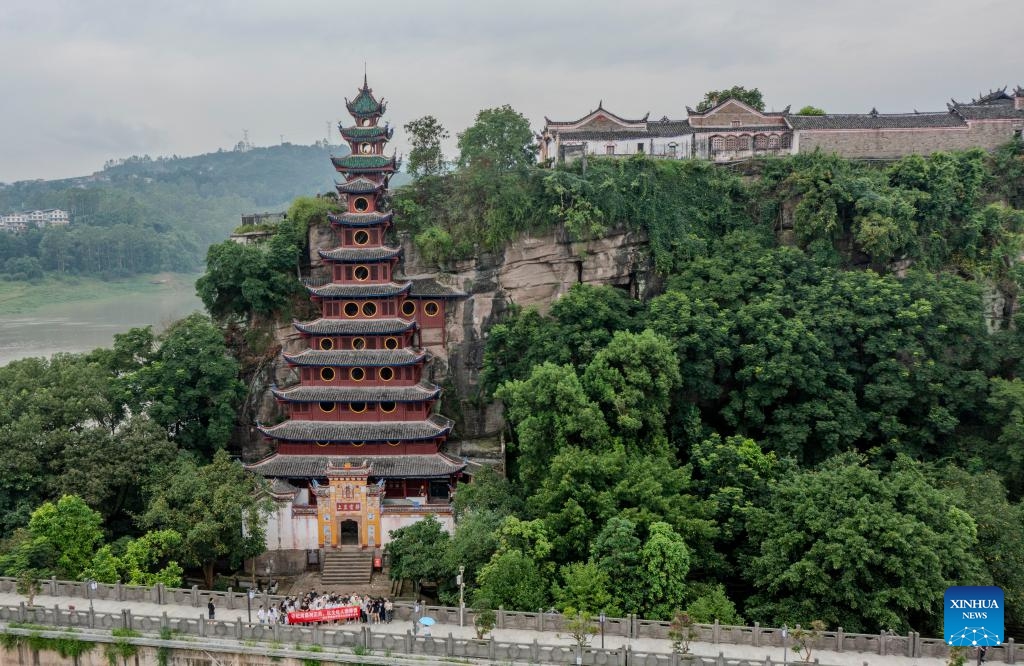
{"points": [[364, 104], [364, 163], [367, 132]]}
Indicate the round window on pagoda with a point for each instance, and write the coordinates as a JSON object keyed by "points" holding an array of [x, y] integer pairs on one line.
{"points": [[327, 374], [326, 344], [390, 343], [387, 407], [394, 443], [408, 308], [322, 443], [362, 204], [357, 407], [326, 407], [351, 310], [358, 343], [362, 237], [357, 374], [365, 148], [386, 374], [361, 273], [369, 309], [430, 309], [358, 444], [365, 122]]}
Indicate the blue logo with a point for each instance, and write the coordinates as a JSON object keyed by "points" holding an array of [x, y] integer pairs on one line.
{"points": [[973, 616]]}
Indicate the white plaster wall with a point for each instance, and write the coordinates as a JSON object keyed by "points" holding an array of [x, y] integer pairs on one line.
{"points": [[287, 532], [394, 521]]}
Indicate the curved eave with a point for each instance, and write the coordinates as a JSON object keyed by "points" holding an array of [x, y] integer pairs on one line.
{"points": [[360, 186], [345, 255], [337, 327], [360, 219], [349, 394], [368, 138], [340, 432], [365, 164], [356, 292], [350, 358]]}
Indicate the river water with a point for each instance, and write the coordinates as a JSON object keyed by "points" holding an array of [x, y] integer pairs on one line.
{"points": [[85, 325]]}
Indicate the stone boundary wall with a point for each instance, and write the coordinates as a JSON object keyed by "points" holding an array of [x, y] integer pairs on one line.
{"points": [[911, 645], [259, 645]]}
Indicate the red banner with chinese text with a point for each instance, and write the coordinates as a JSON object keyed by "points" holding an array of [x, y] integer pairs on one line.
{"points": [[324, 615]]}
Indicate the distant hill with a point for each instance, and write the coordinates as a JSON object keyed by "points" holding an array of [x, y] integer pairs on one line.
{"points": [[143, 214]]}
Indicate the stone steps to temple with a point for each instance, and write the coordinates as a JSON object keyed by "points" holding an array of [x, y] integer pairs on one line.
{"points": [[347, 567]]}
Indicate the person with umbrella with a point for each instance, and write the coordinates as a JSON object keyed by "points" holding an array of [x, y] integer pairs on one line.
{"points": [[426, 622]]}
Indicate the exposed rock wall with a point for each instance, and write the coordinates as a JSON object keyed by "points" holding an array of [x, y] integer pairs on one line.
{"points": [[533, 271]]}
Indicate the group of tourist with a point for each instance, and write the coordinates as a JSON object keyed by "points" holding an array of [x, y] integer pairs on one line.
{"points": [[372, 610]]}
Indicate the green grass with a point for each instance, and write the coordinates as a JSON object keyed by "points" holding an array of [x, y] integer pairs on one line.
{"points": [[18, 297]]}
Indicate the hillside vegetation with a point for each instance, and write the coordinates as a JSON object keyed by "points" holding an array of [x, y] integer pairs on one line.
{"points": [[144, 215]]}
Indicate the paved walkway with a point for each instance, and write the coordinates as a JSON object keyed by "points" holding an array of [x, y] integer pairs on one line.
{"points": [[505, 635]]}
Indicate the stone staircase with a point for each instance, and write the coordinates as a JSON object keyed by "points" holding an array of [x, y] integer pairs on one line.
{"points": [[347, 567]]}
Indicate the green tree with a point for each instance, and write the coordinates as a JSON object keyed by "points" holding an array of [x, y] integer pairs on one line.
{"points": [[665, 561], [585, 588], [191, 386], [859, 548], [810, 111], [751, 97], [711, 605], [514, 581], [616, 552], [425, 136], [219, 510], [500, 139], [417, 552], [73, 531]]}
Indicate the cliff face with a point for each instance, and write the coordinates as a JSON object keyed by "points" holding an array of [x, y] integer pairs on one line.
{"points": [[532, 272]]}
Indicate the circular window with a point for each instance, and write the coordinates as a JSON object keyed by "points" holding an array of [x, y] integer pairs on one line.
{"points": [[362, 237], [394, 443], [390, 343], [358, 343], [357, 374], [322, 443], [358, 444], [365, 148], [357, 407], [386, 374], [408, 308], [369, 309], [365, 122], [387, 407], [430, 309], [327, 374], [361, 273], [326, 407], [361, 204], [326, 344], [351, 310]]}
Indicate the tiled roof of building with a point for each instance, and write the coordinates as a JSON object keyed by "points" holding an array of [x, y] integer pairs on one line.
{"points": [[365, 104], [414, 393], [360, 185], [359, 163], [666, 127], [608, 135], [997, 110], [334, 290], [600, 107], [281, 488], [838, 121], [376, 133], [358, 255], [355, 431], [343, 358], [360, 219], [355, 326], [748, 129], [431, 288], [421, 466]]}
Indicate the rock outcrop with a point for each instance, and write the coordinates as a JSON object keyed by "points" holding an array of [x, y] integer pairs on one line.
{"points": [[533, 271]]}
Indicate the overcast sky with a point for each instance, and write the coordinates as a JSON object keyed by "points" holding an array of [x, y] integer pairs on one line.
{"points": [[83, 81]]}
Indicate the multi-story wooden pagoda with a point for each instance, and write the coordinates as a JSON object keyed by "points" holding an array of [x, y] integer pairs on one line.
{"points": [[359, 453]]}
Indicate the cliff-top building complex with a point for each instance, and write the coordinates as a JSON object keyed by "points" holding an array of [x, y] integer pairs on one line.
{"points": [[359, 453], [731, 130]]}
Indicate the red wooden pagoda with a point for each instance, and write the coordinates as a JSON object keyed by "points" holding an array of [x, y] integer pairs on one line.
{"points": [[359, 452]]}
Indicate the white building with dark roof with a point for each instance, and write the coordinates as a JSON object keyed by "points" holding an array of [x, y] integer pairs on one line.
{"points": [[732, 130]]}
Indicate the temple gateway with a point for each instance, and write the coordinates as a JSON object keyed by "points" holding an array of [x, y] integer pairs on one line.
{"points": [[359, 452]]}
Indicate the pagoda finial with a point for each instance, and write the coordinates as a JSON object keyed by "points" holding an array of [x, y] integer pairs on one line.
{"points": [[366, 86]]}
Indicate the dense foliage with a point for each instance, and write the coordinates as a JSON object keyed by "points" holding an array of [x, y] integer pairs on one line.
{"points": [[145, 215], [796, 425]]}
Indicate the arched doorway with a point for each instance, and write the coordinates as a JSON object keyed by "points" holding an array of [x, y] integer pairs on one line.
{"points": [[348, 533]]}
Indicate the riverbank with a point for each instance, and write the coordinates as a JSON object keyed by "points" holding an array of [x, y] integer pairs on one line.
{"points": [[81, 314]]}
